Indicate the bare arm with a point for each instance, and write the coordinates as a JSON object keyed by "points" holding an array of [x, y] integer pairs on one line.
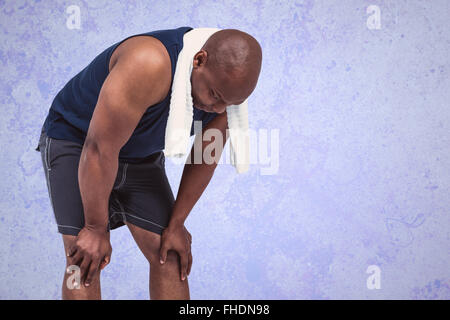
{"points": [[196, 177], [135, 82], [194, 180], [132, 85]]}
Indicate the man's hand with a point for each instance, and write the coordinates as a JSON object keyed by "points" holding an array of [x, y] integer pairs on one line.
{"points": [[176, 237], [91, 251]]}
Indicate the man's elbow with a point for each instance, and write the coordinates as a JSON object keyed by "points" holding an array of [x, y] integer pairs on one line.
{"points": [[102, 151]]}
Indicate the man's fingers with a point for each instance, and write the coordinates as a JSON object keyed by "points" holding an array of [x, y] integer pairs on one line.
{"points": [[93, 269], [190, 253], [84, 268], [76, 258], [105, 262], [188, 234], [184, 265], [163, 253], [71, 250], [190, 263], [106, 259]]}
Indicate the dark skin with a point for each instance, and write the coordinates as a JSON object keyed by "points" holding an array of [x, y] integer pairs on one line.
{"points": [[225, 72]]}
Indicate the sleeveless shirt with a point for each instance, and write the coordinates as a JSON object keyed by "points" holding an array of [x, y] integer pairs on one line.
{"points": [[72, 108]]}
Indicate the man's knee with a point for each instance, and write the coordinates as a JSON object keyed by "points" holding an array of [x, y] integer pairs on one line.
{"points": [[172, 257], [171, 264], [68, 240], [73, 269]]}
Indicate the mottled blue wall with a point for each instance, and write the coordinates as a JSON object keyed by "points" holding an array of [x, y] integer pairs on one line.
{"points": [[362, 109]]}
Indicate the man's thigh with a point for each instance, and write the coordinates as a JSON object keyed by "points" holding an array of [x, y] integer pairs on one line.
{"points": [[144, 197], [60, 160], [148, 242]]}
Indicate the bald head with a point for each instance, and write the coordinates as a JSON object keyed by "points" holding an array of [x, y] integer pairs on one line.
{"points": [[235, 53], [225, 70]]}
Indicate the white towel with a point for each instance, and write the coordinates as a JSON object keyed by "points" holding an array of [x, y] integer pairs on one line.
{"points": [[179, 122]]}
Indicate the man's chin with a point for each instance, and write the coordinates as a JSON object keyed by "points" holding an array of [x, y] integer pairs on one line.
{"points": [[203, 108]]}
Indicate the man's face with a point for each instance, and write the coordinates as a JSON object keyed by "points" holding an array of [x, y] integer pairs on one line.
{"points": [[214, 91]]}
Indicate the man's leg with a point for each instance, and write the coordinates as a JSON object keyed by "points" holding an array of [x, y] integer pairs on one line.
{"points": [[165, 282], [83, 293]]}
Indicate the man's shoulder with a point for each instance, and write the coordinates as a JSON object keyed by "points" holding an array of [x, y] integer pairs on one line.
{"points": [[148, 55]]}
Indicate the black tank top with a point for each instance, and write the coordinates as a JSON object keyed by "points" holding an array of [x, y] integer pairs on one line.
{"points": [[72, 108]]}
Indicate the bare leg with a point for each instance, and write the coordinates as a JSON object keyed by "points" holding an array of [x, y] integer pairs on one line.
{"points": [[165, 282], [83, 293]]}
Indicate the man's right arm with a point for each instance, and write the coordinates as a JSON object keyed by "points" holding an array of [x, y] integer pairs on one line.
{"points": [[137, 81], [133, 84]]}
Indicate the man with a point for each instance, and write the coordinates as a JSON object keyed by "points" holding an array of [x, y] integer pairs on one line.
{"points": [[101, 146]]}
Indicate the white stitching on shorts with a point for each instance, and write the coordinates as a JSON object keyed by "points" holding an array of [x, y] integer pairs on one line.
{"points": [[124, 175], [45, 153], [48, 175], [61, 225], [126, 213], [121, 208], [120, 205], [48, 156], [48, 141]]}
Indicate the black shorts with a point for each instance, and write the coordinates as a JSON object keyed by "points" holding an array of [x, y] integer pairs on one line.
{"points": [[141, 194]]}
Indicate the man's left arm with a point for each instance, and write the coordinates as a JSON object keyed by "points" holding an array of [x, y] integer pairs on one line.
{"points": [[196, 176]]}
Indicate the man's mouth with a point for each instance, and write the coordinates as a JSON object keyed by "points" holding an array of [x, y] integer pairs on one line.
{"points": [[201, 107], [204, 108]]}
